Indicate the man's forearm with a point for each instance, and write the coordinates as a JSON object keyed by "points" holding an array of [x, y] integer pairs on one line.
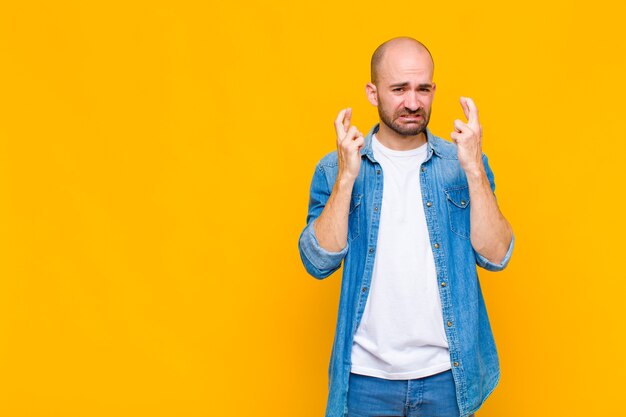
{"points": [[331, 227], [491, 233]]}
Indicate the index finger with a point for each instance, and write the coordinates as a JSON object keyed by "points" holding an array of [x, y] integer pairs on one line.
{"points": [[339, 126]]}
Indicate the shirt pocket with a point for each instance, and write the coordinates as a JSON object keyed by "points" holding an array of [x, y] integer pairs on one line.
{"points": [[458, 202], [354, 224]]}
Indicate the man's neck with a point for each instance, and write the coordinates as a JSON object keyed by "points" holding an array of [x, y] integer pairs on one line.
{"points": [[393, 140]]}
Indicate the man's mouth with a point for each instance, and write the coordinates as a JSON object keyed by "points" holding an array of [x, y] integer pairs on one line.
{"points": [[410, 117]]}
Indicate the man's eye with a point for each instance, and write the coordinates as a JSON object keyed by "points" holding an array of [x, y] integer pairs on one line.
{"points": [[397, 89]]}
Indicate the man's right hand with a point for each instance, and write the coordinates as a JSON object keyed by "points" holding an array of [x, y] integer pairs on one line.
{"points": [[349, 143]]}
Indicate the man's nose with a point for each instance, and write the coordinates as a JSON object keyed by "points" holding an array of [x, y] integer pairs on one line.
{"points": [[411, 101]]}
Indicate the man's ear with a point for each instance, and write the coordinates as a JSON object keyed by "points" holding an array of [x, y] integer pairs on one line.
{"points": [[372, 95]]}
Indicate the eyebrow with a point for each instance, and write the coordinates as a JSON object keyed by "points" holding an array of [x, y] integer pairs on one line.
{"points": [[404, 84]]}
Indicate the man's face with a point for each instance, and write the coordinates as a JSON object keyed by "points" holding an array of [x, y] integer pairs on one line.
{"points": [[405, 109], [404, 92]]}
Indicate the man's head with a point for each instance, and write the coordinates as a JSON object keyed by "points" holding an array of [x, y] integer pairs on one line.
{"points": [[401, 85]]}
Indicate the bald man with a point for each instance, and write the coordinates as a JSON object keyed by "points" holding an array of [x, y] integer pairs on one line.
{"points": [[411, 216]]}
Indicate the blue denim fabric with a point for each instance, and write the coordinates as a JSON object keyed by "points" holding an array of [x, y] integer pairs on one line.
{"points": [[446, 199], [430, 396]]}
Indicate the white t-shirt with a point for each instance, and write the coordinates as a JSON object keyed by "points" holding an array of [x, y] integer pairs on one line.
{"points": [[401, 333]]}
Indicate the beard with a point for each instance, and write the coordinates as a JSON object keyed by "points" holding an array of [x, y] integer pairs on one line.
{"points": [[405, 129]]}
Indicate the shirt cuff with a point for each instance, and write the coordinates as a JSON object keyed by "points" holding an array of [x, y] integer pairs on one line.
{"points": [[319, 257], [490, 266]]}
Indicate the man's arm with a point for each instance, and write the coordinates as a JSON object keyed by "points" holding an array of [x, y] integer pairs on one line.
{"points": [[324, 242], [490, 233], [331, 227], [318, 261]]}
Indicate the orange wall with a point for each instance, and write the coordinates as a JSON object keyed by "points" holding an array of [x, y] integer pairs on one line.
{"points": [[155, 159]]}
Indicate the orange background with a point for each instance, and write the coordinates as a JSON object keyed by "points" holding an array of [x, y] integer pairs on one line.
{"points": [[155, 159]]}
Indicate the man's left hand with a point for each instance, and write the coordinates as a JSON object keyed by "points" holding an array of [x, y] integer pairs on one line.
{"points": [[468, 137]]}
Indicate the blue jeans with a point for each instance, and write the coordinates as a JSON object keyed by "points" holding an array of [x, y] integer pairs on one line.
{"points": [[430, 396]]}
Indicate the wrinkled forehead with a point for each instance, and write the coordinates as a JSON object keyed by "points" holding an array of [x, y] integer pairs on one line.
{"points": [[406, 65]]}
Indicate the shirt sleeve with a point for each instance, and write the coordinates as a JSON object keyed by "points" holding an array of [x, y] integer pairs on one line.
{"points": [[318, 261], [480, 259]]}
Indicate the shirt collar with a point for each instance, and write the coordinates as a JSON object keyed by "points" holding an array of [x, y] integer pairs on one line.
{"points": [[434, 144]]}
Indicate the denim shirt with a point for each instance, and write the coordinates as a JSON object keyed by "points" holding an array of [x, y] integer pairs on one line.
{"points": [[445, 195]]}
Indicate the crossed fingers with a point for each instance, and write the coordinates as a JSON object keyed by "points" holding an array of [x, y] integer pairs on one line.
{"points": [[343, 127], [472, 127]]}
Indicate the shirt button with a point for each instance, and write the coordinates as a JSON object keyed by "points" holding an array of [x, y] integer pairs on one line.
{"points": [[423, 169], [371, 250], [429, 204], [436, 245], [378, 172], [375, 208], [456, 364], [462, 202], [364, 289], [449, 323], [443, 284]]}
